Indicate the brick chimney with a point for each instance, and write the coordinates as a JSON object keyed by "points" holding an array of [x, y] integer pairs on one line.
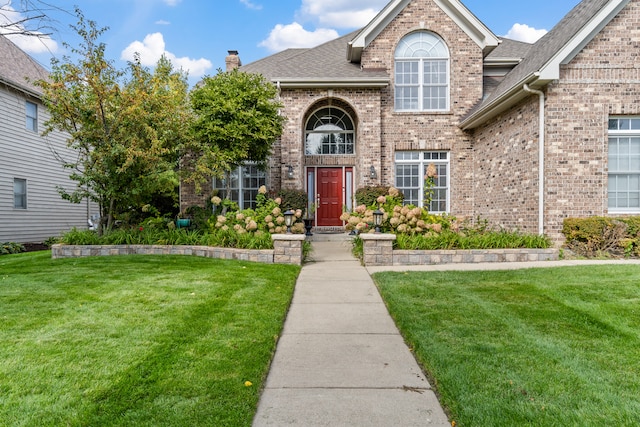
{"points": [[232, 60]]}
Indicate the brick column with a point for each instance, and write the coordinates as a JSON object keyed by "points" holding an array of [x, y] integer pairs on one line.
{"points": [[378, 248], [287, 248]]}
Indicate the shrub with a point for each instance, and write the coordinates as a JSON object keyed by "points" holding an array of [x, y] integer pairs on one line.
{"points": [[596, 235], [368, 196], [292, 199], [8, 248]]}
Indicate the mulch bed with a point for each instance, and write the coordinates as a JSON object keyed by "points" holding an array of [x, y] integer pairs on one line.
{"points": [[32, 247]]}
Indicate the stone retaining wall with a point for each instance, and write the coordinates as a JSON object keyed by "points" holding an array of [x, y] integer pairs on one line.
{"points": [[287, 250], [378, 251]]}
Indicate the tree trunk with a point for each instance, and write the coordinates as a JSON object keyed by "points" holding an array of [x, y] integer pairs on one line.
{"points": [[227, 190]]}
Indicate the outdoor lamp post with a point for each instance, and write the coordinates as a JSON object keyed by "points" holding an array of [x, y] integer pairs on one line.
{"points": [[377, 219], [288, 220]]}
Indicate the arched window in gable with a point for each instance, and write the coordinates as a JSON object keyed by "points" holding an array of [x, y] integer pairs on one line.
{"points": [[422, 73]]}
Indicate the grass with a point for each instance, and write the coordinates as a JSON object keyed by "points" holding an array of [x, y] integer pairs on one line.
{"points": [[542, 347], [136, 341]]}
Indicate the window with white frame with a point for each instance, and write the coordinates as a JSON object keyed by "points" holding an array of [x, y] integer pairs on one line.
{"points": [[244, 183], [422, 73], [19, 193], [31, 116], [411, 174], [624, 164], [329, 131]]}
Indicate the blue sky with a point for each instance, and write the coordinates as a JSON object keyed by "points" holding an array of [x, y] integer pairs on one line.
{"points": [[196, 34]]}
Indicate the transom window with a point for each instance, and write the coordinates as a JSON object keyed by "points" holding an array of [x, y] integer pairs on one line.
{"points": [[329, 131], [244, 183], [422, 73], [624, 165], [411, 173]]}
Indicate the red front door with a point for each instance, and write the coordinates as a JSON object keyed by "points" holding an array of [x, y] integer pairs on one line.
{"points": [[330, 194]]}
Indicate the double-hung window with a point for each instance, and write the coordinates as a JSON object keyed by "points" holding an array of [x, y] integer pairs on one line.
{"points": [[31, 116], [244, 183], [422, 73], [624, 165], [412, 170], [19, 193]]}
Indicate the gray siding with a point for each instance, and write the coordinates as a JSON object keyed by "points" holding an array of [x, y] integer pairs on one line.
{"points": [[28, 155]]}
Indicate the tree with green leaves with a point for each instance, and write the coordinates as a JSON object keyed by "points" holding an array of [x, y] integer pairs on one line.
{"points": [[127, 126], [237, 120]]}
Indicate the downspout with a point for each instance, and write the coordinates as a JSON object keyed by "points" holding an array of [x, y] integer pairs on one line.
{"points": [[541, 142]]}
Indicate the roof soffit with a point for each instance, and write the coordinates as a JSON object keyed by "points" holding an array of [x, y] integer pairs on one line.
{"points": [[466, 20]]}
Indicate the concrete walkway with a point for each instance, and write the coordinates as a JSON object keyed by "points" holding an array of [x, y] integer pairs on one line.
{"points": [[340, 360]]}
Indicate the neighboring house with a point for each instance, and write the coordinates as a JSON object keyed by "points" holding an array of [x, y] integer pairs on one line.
{"points": [[521, 135], [31, 209]]}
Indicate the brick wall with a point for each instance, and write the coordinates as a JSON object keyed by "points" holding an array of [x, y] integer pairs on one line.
{"points": [[506, 168], [363, 105], [602, 80], [429, 131]]}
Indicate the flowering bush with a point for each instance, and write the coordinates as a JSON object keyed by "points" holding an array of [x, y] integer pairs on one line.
{"points": [[266, 218], [397, 219]]}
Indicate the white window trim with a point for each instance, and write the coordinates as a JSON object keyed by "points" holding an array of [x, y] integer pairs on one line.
{"points": [[422, 164], [29, 119], [627, 133], [26, 194], [421, 84], [240, 188]]}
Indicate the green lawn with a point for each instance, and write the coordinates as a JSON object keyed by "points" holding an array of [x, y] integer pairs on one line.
{"points": [[542, 347], [136, 341]]}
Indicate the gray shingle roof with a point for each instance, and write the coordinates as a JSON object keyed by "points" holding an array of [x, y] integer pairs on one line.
{"points": [[325, 62], [549, 45], [509, 49], [18, 69]]}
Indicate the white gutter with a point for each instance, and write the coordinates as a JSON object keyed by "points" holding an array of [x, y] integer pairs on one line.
{"points": [[541, 142], [304, 83]]}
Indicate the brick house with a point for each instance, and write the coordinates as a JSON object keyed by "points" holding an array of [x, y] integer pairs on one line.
{"points": [[522, 135]]}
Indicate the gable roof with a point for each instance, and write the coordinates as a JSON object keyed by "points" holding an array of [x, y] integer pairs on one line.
{"points": [[542, 63], [19, 70], [466, 20], [508, 51], [323, 65]]}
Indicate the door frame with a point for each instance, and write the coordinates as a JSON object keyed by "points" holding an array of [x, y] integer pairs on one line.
{"points": [[348, 187]]}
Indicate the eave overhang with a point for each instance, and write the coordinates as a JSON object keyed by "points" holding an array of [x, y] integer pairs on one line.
{"points": [[549, 71], [20, 88], [502, 103], [311, 83]]}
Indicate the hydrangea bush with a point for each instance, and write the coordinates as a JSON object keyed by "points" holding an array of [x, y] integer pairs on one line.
{"points": [[398, 219], [266, 218], [416, 228]]}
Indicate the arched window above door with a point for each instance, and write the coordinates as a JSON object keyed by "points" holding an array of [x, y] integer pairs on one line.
{"points": [[329, 131], [422, 73]]}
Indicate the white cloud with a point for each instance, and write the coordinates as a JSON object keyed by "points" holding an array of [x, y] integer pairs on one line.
{"points": [[525, 33], [37, 43], [294, 35], [162, 22], [153, 47], [251, 5], [341, 13]]}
